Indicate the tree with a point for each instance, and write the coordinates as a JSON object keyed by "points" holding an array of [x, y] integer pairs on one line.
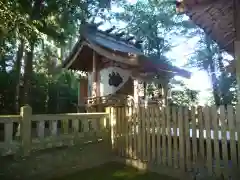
{"points": [[38, 30], [208, 57], [27, 28], [149, 24], [31, 23], [181, 95]]}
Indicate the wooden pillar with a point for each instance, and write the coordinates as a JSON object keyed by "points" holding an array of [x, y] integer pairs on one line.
{"points": [[94, 75], [26, 114], [82, 93], [236, 14], [96, 80], [136, 91]]}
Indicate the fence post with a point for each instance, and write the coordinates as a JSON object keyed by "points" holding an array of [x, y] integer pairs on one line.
{"points": [[26, 114], [110, 126]]}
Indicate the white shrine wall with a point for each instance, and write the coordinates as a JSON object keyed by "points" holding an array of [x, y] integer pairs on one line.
{"points": [[106, 75]]}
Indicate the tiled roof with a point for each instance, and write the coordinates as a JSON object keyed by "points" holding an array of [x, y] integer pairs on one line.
{"points": [[114, 42]]}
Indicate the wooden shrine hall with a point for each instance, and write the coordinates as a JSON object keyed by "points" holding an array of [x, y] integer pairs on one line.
{"points": [[117, 69]]}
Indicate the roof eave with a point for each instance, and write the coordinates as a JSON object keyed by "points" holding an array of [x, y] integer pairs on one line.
{"points": [[72, 56]]}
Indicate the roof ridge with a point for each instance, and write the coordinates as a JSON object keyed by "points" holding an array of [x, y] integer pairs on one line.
{"points": [[94, 28]]}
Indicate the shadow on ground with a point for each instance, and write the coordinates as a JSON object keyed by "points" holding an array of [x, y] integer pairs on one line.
{"points": [[114, 171]]}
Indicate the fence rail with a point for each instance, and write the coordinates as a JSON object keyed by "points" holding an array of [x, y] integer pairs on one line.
{"points": [[183, 138], [43, 131], [179, 137]]}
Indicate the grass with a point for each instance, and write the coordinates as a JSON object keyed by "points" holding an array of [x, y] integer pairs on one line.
{"points": [[114, 171]]}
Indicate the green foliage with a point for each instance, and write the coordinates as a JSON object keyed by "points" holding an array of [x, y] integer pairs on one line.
{"points": [[228, 88], [178, 94], [55, 96], [185, 97], [208, 57], [50, 25], [181, 95], [154, 22], [42, 28], [14, 21], [150, 24]]}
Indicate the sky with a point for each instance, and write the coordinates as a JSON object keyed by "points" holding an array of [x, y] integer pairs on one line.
{"points": [[180, 54], [199, 79]]}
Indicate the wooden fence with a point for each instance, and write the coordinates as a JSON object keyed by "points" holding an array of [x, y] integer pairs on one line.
{"points": [[48, 130], [184, 138], [180, 138]]}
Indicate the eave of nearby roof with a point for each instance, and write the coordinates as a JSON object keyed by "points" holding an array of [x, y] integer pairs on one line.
{"points": [[72, 54], [215, 17]]}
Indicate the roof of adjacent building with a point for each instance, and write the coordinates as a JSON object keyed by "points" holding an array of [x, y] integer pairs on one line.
{"points": [[216, 18], [92, 37]]}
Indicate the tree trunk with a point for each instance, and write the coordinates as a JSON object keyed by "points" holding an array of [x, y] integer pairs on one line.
{"points": [[18, 75], [220, 64], [222, 89], [3, 64], [211, 63], [27, 78], [62, 55], [215, 85]]}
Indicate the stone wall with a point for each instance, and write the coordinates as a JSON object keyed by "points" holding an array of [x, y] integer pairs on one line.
{"points": [[56, 162]]}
